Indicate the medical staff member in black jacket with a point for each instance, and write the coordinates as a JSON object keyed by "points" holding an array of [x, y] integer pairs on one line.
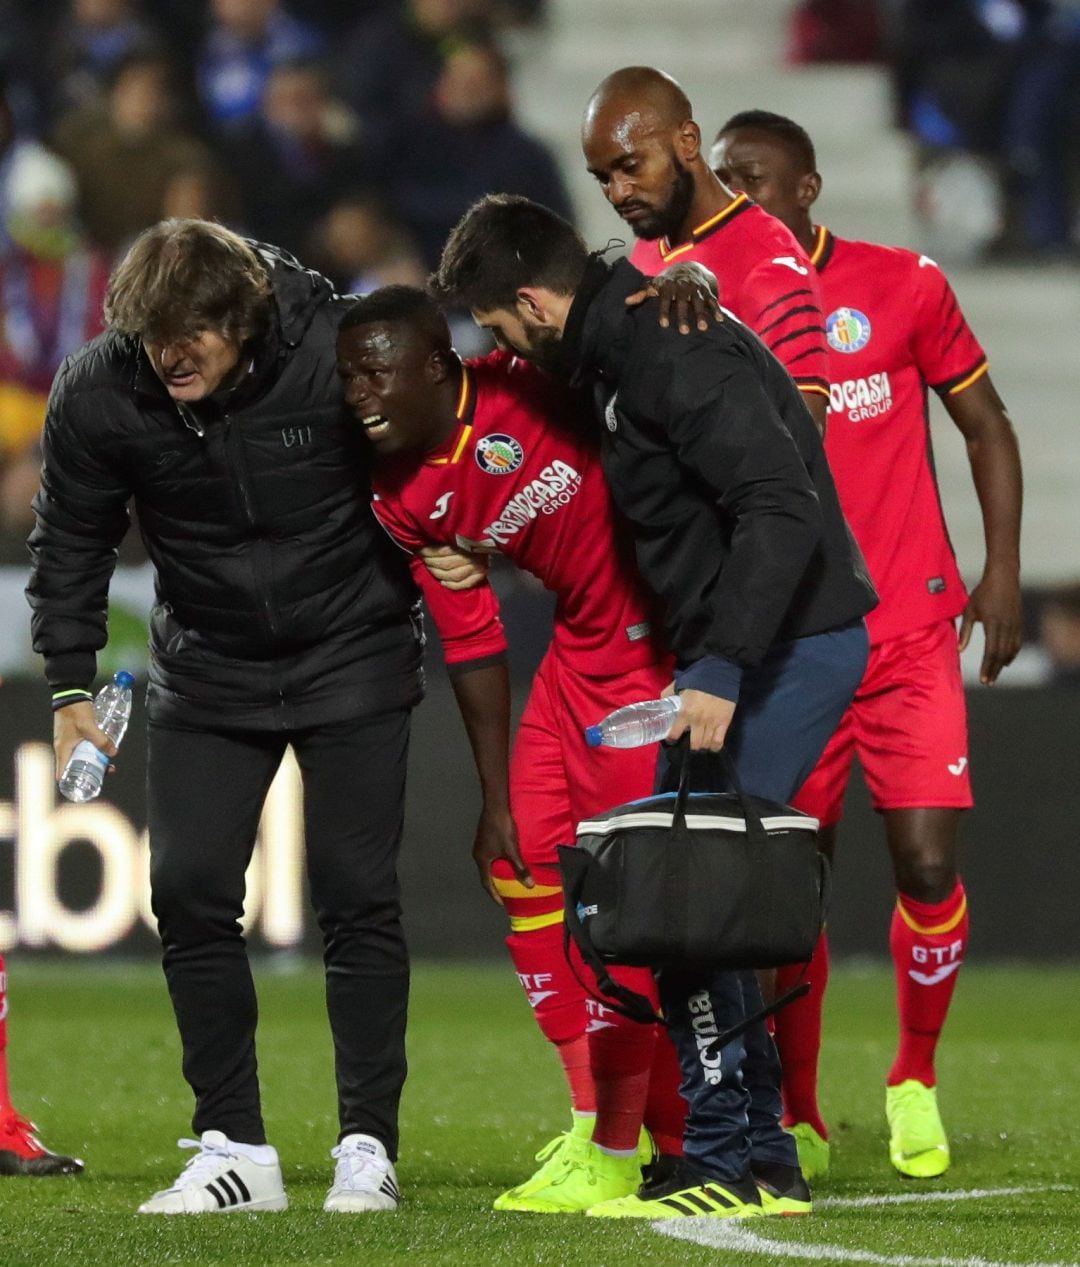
{"points": [[719, 471], [284, 616]]}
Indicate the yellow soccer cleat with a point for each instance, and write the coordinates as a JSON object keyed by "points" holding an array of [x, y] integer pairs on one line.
{"points": [[813, 1150], [918, 1145], [584, 1181], [566, 1151], [684, 1193]]}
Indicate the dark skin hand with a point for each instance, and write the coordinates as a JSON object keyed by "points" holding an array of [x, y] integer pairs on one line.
{"points": [[689, 289], [995, 467], [483, 696]]}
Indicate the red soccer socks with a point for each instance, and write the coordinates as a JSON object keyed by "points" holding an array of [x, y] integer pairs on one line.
{"points": [[621, 1052], [798, 1038], [928, 942]]}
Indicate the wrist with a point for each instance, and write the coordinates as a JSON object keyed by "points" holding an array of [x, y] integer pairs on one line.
{"points": [[1005, 569], [63, 696]]}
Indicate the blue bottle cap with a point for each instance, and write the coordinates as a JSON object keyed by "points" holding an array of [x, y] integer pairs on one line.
{"points": [[124, 678], [594, 736]]}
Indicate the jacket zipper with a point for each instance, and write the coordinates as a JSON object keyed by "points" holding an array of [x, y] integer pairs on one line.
{"points": [[234, 447]]}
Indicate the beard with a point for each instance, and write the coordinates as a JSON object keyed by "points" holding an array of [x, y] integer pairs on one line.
{"points": [[548, 351], [666, 220]]}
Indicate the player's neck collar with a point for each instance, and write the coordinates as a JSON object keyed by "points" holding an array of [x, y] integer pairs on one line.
{"points": [[449, 453], [824, 245], [715, 222]]}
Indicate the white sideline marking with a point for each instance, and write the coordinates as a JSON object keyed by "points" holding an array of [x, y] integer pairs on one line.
{"points": [[906, 1198], [734, 1234]]}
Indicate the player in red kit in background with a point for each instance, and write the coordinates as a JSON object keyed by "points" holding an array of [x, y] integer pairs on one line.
{"points": [[643, 146], [894, 326], [21, 1152], [489, 456]]}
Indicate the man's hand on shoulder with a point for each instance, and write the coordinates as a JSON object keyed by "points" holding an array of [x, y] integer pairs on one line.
{"points": [[690, 289], [707, 718], [73, 724], [455, 569]]}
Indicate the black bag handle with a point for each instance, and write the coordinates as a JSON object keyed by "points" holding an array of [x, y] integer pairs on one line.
{"points": [[755, 829]]}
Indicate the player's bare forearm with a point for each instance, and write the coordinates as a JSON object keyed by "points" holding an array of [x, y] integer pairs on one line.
{"points": [[483, 697], [994, 455]]}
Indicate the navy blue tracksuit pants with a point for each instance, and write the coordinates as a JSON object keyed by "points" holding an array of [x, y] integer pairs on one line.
{"points": [[788, 709]]}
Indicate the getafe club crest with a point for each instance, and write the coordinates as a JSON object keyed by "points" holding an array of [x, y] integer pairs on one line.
{"points": [[847, 329], [499, 455]]}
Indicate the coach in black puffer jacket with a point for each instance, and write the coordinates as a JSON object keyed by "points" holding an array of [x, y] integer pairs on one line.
{"points": [[284, 617], [280, 600]]}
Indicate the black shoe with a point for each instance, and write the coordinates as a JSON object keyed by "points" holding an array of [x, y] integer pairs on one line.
{"points": [[783, 1189]]}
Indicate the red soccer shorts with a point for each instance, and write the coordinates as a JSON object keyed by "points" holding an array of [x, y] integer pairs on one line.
{"points": [[908, 725], [555, 779]]}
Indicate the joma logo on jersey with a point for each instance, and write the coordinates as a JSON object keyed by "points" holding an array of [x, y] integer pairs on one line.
{"points": [[862, 398], [847, 330], [553, 488]]}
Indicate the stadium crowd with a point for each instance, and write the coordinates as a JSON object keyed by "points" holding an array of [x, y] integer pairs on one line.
{"points": [[350, 134]]}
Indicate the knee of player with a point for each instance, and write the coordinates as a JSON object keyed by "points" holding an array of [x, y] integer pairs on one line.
{"points": [[926, 879]]}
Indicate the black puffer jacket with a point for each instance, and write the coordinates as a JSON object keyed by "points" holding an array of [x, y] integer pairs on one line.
{"points": [[715, 462], [280, 602]]}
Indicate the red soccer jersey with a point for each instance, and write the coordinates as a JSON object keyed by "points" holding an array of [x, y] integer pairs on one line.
{"points": [[894, 326], [521, 476], [765, 280]]}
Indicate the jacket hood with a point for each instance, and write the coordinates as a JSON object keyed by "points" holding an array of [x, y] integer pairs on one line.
{"points": [[298, 292]]}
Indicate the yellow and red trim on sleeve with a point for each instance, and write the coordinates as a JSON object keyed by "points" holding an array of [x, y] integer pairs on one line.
{"points": [[964, 383]]}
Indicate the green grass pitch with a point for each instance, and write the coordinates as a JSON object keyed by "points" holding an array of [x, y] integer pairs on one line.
{"points": [[95, 1061]]}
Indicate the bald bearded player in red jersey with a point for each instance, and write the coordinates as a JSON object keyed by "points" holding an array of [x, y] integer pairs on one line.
{"points": [[642, 145], [487, 456], [894, 326]]}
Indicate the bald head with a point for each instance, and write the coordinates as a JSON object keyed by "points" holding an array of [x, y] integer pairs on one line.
{"points": [[643, 146], [643, 91]]}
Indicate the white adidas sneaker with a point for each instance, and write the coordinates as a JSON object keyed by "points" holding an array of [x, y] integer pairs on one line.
{"points": [[223, 1177], [364, 1178]]}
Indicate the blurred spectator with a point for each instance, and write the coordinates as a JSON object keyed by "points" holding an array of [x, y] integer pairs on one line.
{"points": [[296, 158], [52, 287], [389, 63], [90, 40], [360, 247], [201, 191], [1059, 633], [999, 78], [247, 39], [835, 31], [126, 150], [19, 67], [468, 145]]}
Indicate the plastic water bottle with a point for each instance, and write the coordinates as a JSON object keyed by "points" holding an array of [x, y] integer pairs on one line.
{"points": [[636, 724], [85, 771]]}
